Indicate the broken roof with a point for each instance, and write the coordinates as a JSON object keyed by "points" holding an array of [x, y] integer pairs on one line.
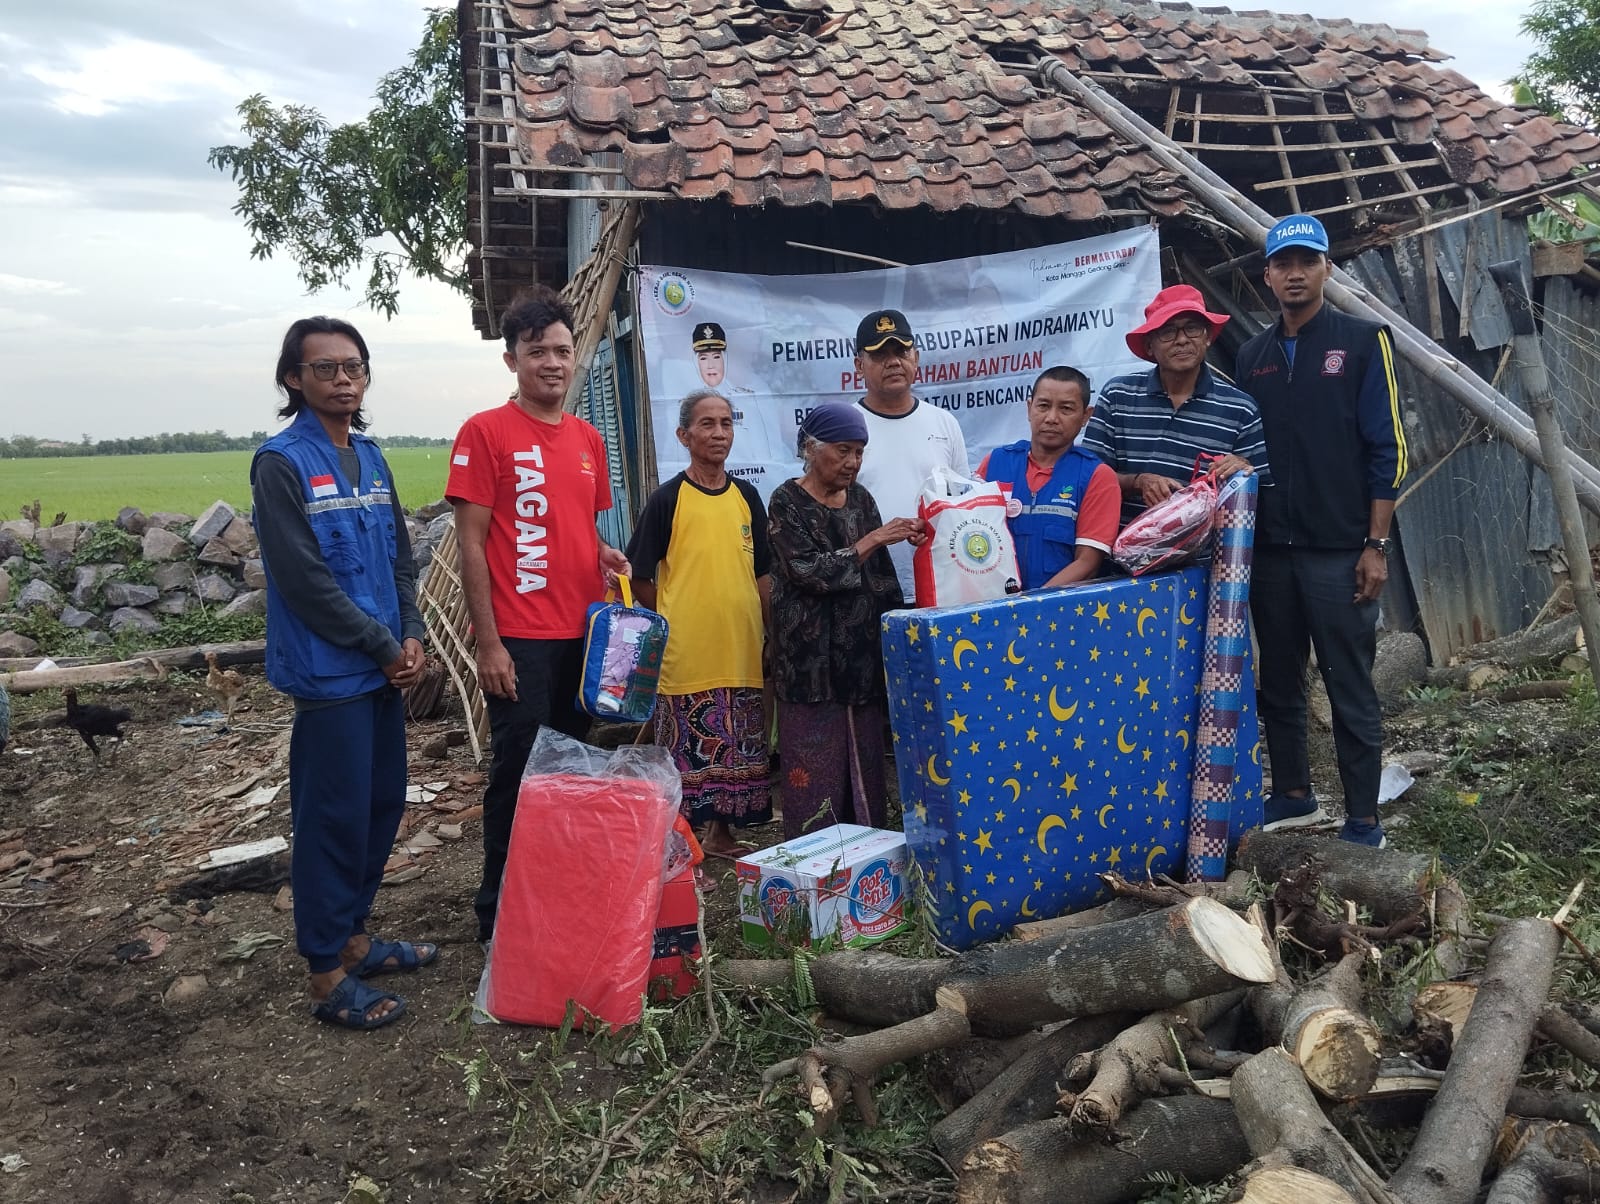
{"points": [[920, 103]]}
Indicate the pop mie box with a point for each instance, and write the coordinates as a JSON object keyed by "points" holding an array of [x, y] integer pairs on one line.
{"points": [[846, 881]]}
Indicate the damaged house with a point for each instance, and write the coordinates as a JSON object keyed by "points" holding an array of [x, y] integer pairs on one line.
{"points": [[804, 136]]}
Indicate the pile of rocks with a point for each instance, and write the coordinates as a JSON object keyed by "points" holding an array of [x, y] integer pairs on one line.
{"points": [[210, 561]]}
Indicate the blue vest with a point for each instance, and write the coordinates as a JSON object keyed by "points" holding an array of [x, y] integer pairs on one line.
{"points": [[355, 530], [1046, 530]]}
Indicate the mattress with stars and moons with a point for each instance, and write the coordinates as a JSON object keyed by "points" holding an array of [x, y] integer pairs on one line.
{"points": [[1043, 738]]}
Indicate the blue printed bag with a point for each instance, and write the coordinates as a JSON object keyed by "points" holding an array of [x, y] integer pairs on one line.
{"points": [[622, 650]]}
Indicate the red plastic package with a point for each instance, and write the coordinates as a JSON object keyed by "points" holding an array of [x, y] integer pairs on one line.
{"points": [[1173, 531], [580, 897]]}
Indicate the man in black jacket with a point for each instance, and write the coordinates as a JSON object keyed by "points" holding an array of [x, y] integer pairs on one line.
{"points": [[1325, 383]]}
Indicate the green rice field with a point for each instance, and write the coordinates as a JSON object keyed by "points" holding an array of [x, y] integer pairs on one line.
{"points": [[90, 488]]}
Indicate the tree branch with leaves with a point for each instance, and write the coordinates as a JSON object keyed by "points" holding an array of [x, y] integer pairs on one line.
{"points": [[327, 195], [1563, 75]]}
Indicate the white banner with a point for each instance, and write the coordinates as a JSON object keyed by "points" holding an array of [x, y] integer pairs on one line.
{"points": [[985, 328]]}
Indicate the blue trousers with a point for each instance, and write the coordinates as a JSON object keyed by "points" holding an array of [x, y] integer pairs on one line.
{"points": [[347, 792]]}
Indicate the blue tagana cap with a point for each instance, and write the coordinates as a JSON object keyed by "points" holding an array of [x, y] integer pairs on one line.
{"points": [[1297, 230]]}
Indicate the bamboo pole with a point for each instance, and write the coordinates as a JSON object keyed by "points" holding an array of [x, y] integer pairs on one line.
{"points": [[1251, 221], [1536, 385]]}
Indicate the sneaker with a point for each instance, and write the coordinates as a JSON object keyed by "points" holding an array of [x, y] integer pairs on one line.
{"points": [[1283, 812], [1370, 835]]}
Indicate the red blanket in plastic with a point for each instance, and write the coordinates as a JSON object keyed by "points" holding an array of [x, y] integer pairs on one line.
{"points": [[579, 900]]}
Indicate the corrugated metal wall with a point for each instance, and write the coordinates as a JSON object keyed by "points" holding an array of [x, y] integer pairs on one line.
{"points": [[1477, 524]]}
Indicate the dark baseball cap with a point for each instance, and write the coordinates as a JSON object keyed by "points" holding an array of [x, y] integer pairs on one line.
{"points": [[883, 326], [709, 336]]}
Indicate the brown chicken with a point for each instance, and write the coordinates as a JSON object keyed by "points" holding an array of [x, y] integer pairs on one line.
{"points": [[227, 684], [94, 720]]}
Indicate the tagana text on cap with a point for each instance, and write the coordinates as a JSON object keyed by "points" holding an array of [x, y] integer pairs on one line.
{"points": [[1297, 230], [883, 326]]}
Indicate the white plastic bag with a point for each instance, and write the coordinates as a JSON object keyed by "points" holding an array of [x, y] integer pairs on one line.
{"points": [[969, 555]]}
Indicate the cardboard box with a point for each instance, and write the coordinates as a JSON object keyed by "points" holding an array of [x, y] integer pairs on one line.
{"points": [[677, 940], [1045, 737], [847, 882]]}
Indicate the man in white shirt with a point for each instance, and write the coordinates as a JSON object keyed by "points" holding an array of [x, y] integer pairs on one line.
{"points": [[906, 438]]}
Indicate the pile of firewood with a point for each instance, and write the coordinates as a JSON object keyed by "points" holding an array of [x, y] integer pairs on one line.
{"points": [[1160, 1035]]}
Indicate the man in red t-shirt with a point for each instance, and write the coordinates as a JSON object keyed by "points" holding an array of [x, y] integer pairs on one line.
{"points": [[527, 480]]}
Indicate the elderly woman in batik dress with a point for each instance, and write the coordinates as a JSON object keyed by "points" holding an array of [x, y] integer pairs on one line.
{"points": [[699, 557], [832, 582]]}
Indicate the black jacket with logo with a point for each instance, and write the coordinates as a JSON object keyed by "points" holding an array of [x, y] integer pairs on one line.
{"points": [[1334, 435]]}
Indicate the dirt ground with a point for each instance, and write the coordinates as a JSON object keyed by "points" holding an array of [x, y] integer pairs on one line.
{"points": [[113, 1089], [197, 1074]]}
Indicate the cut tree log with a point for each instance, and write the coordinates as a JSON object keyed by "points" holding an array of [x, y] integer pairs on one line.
{"points": [[1544, 1163], [957, 1074], [1548, 642], [851, 1064], [1533, 691], [1392, 885], [1332, 1040], [1134, 898], [1148, 962], [1284, 1126], [1152, 961], [1574, 1107], [1027, 1089], [1446, 1162], [1042, 1163], [1396, 1083], [1400, 662], [149, 666], [1451, 1003], [1049, 930], [1586, 1014], [1128, 1068], [1291, 1185], [865, 986], [1474, 677]]}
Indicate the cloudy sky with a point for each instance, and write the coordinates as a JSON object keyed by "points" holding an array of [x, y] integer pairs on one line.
{"points": [[129, 303]]}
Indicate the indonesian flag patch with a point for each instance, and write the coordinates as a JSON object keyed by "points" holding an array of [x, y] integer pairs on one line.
{"points": [[323, 486], [460, 459]]}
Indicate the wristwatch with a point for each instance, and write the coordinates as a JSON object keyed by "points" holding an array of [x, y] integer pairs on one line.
{"points": [[1380, 545]]}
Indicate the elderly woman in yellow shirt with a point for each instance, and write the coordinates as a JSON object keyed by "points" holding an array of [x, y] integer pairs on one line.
{"points": [[700, 558]]}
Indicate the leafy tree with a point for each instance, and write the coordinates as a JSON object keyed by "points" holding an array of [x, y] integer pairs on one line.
{"points": [[1563, 75], [325, 194]]}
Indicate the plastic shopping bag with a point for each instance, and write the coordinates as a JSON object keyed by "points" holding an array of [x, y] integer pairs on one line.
{"points": [[583, 882], [969, 555], [1172, 532], [622, 651]]}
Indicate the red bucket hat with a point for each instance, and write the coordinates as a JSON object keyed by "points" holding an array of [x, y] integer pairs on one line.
{"points": [[1169, 303]]}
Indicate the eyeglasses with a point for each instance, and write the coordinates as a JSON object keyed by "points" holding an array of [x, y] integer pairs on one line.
{"points": [[1192, 331], [327, 369]]}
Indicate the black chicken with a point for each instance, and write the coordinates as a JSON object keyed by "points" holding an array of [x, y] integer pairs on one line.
{"points": [[94, 720]]}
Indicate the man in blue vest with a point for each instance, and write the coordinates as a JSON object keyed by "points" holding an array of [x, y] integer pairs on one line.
{"points": [[343, 636], [1061, 501], [1330, 407]]}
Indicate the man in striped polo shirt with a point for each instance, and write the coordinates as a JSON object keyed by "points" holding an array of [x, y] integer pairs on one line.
{"points": [[1150, 426]]}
